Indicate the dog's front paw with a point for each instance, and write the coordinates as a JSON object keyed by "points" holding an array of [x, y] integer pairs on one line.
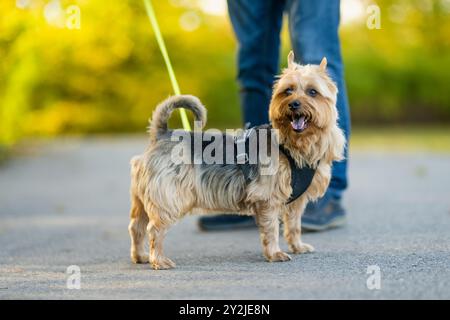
{"points": [[162, 264], [136, 258], [279, 256], [301, 248]]}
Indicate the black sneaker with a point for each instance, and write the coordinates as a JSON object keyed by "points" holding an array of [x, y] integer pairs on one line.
{"points": [[226, 222], [324, 214]]}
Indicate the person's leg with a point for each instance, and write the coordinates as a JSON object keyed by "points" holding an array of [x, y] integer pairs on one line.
{"points": [[257, 26], [313, 27]]}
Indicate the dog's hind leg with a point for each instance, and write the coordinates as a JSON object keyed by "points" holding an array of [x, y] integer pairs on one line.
{"points": [[137, 230], [268, 223], [156, 232]]}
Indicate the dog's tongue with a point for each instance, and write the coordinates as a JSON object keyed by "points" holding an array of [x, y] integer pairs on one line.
{"points": [[299, 124]]}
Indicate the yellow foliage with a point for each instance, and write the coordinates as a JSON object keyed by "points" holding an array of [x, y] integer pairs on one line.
{"points": [[108, 75]]}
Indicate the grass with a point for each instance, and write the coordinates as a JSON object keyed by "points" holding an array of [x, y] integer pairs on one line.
{"points": [[425, 138], [4, 153]]}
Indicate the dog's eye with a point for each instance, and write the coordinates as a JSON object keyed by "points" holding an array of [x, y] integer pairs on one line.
{"points": [[312, 92], [289, 91]]}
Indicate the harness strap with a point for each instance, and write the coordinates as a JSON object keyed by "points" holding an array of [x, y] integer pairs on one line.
{"points": [[301, 178]]}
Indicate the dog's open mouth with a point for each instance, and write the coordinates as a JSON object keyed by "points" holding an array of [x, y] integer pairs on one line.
{"points": [[299, 122]]}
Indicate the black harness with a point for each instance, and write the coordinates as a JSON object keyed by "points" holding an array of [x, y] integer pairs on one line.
{"points": [[301, 177]]}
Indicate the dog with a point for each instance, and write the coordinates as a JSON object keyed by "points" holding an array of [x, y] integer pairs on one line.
{"points": [[304, 117]]}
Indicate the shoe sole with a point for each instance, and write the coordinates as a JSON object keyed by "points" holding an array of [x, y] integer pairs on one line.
{"points": [[338, 222]]}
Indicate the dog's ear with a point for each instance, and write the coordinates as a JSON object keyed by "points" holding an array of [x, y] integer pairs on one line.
{"points": [[323, 64], [290, 59]]}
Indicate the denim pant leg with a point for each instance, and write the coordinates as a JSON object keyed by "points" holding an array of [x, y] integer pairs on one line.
{"points": [[257, 26], [313, 26]]}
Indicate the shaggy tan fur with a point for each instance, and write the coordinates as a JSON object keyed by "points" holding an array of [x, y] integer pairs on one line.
{"points": [[162, 192]]}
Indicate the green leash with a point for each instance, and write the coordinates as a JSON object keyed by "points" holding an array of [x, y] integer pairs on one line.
{"points": [[162, 47]]}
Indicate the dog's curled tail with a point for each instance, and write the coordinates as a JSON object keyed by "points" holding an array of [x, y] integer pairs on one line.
{"points": [[158, 123]]}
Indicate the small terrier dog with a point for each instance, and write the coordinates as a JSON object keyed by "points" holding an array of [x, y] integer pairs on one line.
{"points": [[303, 112]]}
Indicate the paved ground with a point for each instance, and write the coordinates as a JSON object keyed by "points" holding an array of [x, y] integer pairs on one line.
{"points": [[66, 203]]}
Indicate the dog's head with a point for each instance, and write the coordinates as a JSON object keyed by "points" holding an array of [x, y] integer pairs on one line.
{"points": [[304, 99], [303, 106]]}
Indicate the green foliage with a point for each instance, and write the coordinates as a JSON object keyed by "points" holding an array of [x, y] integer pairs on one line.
{"points": [[109, 75], [401, 72]]}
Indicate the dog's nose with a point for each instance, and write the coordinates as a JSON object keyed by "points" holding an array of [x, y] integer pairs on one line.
{"points": [[294, 105]]}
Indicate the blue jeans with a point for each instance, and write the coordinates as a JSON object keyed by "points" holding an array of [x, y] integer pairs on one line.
{"points": [[313, 28]]}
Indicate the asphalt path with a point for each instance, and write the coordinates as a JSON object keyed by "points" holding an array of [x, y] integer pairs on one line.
{"points": [[66, 202]]}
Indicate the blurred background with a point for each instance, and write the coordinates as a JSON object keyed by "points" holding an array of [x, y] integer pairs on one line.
{"points": [[103, 72], [79, 80]]}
